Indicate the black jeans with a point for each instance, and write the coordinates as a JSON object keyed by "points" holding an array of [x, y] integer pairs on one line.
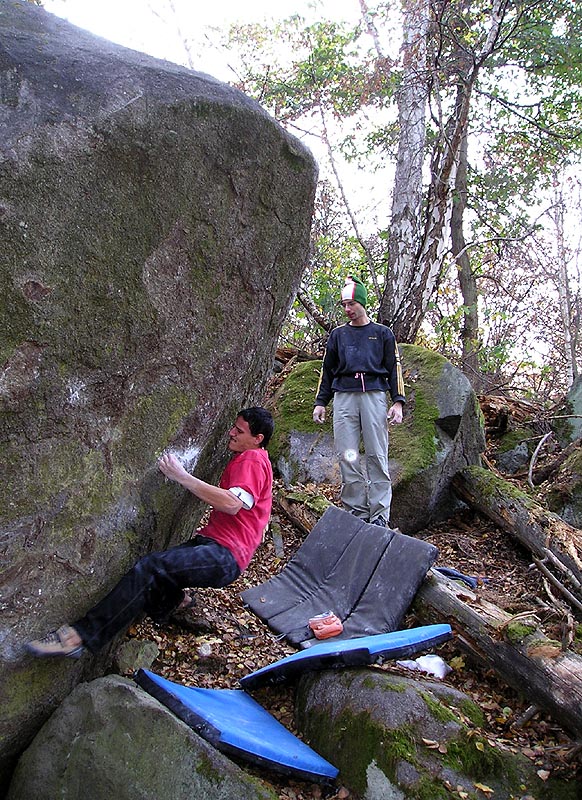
{"points": [[155, 585]]}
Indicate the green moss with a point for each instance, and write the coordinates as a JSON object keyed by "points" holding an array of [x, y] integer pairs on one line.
{"points": [[27, 688], [147, 428], [475, 757], [514, 438], [516, 632], [473, 713], [81, 477], [490, 485], [437, 708], [420, 361], [374, 745], [206, 768], [428, 789], [414, 443], [316, 502], [294, 406]]}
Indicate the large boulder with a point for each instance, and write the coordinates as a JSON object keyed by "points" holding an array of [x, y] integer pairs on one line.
{"points": [[154, 224], [403, 739], [442, 433], [568, 424], [110, 739], [563, 495]]}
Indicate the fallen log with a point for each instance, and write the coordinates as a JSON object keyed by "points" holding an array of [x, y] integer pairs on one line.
{"points": [[302, 508], [555, 544], [514, 646]]}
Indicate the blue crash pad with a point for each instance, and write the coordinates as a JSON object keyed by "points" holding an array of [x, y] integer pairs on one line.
{"points": [[236, 725], [334, 654], [365, 574]]}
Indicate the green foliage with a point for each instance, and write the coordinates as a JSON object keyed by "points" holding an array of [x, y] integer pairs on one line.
{"points": [[324, 67], [524, 123]]}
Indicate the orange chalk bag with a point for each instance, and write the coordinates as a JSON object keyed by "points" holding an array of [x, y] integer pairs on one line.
{"points": [[324, 626]]}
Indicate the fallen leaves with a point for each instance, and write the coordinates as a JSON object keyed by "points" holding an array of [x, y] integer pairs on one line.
{"points": [[228, 642], [432, 745], [483, 788]]}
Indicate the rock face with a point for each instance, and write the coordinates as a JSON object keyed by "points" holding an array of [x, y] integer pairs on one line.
{"points": [[394, 737], [111, 739], [153, 228], [442, 432], [570, 429], [564, 496]]}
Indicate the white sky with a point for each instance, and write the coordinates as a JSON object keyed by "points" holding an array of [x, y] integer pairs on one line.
{"points": [[150, 27]]}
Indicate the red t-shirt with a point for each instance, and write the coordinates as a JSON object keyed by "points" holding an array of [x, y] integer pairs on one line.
{"points": [[242, 532]]}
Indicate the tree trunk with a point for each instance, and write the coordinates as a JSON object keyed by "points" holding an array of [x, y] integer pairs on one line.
{"points": [[525, 658], [562, 282], [550, 539], [466, 276], [405, 224], [406, 317]]}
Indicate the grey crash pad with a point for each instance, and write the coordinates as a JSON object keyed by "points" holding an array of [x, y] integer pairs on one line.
{"points": [[365, 574]]}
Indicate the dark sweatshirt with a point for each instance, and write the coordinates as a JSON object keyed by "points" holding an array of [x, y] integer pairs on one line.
{"points": [[361, 358]]}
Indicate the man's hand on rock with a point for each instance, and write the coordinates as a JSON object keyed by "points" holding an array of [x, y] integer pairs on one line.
{"points": [[319, 414]]}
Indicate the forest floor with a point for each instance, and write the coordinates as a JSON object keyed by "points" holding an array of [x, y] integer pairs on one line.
{"points": [[220, 641]]}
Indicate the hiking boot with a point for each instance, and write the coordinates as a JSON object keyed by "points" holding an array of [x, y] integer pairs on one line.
{"points": [[61, 642]]}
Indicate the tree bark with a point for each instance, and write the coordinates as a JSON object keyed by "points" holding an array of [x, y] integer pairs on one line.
{"points": [[430, 257], [524, 658], [550, 539], [467, 281], [405, 224]]}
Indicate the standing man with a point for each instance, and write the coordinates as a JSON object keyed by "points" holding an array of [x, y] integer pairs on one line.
{"points": [[216, 556], [360, 365]]}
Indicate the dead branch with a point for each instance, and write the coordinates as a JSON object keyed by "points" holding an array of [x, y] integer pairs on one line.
{"points": [[519, 652], [550, 469], [535, 456], [544, 534]]}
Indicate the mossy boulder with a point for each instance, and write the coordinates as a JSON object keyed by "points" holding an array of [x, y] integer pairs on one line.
{"points": [[110, 739], [301, 450], [395, 737], [442, 433], [514, 449], [154, 224], [568, 422], [564, 496]]}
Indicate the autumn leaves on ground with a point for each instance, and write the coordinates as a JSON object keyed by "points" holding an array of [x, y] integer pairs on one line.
{"points": [[220, 641]]}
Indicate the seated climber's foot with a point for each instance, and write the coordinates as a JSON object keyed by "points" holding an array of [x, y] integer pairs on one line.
{"points": [[188, 601], [63, 642], [185, 617]]}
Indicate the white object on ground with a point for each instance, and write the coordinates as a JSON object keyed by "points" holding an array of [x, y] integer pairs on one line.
{"points": [[432, 664]]}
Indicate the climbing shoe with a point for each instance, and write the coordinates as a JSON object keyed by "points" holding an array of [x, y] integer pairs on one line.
{"points": [[61, 642]]}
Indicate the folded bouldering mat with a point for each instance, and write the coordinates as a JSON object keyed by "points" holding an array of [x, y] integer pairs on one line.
{"points": [[334, 654], [365, 574], [238, 726]]}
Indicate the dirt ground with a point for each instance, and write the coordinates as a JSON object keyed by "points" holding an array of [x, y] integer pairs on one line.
{"points": [[220, 641]]}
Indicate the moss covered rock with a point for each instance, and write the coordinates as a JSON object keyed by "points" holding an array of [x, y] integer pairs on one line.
{"points": [[442, 432], [301, 450], [154, 224], [394, 737], [564, 496], [568, 424], [110, 739]]}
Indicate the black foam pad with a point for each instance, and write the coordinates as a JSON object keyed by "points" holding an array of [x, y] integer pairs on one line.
{"points": [[365, 574]]}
